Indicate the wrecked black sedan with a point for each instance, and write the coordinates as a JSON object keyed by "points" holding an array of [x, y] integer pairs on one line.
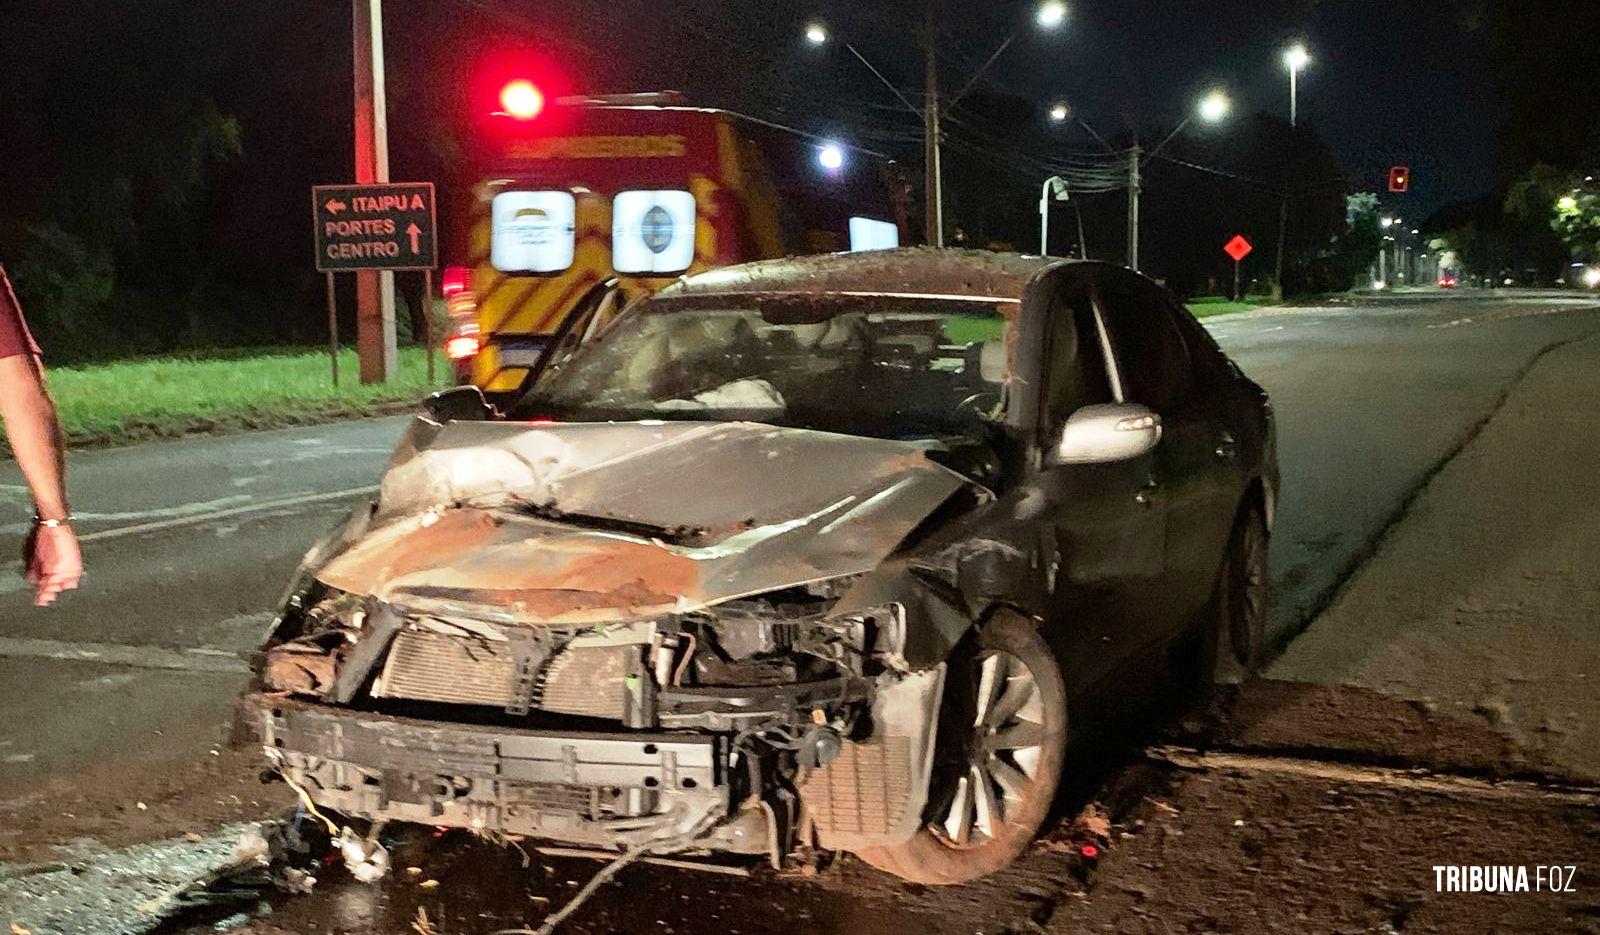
{"points": [[801, 553]]}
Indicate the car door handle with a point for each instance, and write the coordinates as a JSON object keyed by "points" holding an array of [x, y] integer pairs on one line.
{"points": [[1227, 448]]}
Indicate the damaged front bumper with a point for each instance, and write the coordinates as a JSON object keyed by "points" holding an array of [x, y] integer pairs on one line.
{"points": [[594, 789], [612, 789]]}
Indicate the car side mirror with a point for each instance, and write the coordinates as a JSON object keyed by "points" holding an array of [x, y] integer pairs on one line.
{"points": [[1107, 433], [457, 404]]}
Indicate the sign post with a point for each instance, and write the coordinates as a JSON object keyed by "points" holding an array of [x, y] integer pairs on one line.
{"points": [[427, 317], [1238, 248], [376, 228], [333, 330]]}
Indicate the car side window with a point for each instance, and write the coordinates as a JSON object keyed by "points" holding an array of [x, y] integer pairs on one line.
{"points": [[1077, 365], [1151, 356], [1211, 365]]}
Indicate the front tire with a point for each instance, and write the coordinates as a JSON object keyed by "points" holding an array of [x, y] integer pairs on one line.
{"points": [[1002, 743], [1235, 638]]}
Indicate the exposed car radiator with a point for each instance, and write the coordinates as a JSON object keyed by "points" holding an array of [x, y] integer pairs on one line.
{"points": [[863, 792], [589, 681], [424, 666]]}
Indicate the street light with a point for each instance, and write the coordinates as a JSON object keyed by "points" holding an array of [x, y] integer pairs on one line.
{"points": [[1211, 108], [1060, 112], [1214, 107], [1295, 58], [831, 157], [1049, 15]]}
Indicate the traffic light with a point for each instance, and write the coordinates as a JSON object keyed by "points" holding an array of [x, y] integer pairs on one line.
{"points": [[1400, 179]]}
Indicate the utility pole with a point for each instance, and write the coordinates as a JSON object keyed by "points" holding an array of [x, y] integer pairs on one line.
{"points": [[1283, 232], [375, 335], [1133, 206], [933, 186]]}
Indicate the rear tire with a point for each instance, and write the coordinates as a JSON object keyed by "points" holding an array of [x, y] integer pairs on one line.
{"points": [[1002, 743], [1234, 638]]}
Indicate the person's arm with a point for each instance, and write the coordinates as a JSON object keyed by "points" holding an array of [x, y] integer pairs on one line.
{"points": [[34, 432], [54, 563]]}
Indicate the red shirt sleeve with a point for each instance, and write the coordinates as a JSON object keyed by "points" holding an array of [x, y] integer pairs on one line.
{"points": [[14, 337]]}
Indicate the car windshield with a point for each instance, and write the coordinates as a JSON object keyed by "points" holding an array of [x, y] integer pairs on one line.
{"points": [[880, 366]]}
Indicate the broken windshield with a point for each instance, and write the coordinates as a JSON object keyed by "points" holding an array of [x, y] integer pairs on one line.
{"points": [[879, 366]]}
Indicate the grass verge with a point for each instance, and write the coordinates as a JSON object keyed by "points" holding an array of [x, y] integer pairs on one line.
{"points": [[167, 397], [1207, 305]]}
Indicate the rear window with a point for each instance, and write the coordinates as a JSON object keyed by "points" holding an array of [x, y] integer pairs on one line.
{"points": [[534, 232], [652, 232]]}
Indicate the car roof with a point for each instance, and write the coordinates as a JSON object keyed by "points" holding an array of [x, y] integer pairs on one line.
{"points": [[906, 271]]}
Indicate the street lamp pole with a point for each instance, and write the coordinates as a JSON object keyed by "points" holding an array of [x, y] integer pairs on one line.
{"points": [[1133, 207], [1294, 97], [1295, 58]]}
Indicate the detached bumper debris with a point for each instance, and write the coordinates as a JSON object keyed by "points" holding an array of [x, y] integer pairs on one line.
{"points": [[365, 858]]}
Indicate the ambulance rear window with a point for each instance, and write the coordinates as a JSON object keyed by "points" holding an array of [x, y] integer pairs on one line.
{"points": [[534, 232], [652, 232]]}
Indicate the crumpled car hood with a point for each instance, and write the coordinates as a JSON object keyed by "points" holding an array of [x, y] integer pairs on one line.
{"points": [[634, 520]]}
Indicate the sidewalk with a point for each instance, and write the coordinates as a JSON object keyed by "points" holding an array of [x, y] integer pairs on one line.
{"points": [[1483, 604], [1466, 650]]}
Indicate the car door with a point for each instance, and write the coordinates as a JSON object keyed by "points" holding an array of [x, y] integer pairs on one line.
{"points": [[1109, 530], [1157, 372], [1233, 441]]}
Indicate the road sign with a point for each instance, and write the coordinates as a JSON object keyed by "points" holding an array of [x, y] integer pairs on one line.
{"points": [[1238, 248], [375, 227]]}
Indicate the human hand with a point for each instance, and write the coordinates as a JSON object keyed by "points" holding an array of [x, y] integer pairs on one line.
{"points": [[53, 562]]}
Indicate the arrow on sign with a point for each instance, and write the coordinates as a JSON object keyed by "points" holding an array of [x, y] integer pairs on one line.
{"points": [[415, 233], [334, 206]]}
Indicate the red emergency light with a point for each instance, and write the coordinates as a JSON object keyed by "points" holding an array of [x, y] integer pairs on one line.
{"points": [[521, 99]]}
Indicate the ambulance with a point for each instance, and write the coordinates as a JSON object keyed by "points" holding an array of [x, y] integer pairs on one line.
{"points": [[584, 204]]}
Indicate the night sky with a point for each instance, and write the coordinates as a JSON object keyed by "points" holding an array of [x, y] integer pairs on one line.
{"points": [[1389, 82]]}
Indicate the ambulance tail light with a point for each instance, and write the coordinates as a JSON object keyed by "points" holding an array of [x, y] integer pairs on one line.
{"points": [[459, 299], [464, 342]]}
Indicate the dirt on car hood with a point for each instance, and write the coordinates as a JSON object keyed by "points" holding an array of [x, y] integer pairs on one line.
{"points": [[584, 524]]}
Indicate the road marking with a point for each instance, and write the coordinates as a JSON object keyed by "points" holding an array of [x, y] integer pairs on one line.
{"points": [[197, 518], [141, 657]]}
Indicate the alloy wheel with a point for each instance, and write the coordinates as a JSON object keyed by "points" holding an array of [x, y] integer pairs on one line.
{"points": [[1003, 753]]}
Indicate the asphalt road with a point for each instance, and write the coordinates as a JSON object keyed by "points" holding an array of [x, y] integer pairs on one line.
{"points": [[189, 543]]}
